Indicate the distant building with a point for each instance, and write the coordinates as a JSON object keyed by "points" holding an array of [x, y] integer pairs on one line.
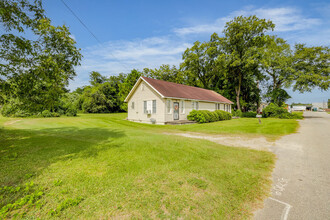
{"points": [[319, 105], [298, 108]]}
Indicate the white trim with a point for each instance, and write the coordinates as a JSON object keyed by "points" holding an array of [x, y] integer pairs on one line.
{"points": [[134, 88], [152, 87]]}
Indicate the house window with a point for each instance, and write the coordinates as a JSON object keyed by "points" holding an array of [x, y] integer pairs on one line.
{"points": [[142, 87], [168, 104], [217, 106], [145, 107], [149, 107], [132, 105], [182, 107], [195, 105], [154, 106]]}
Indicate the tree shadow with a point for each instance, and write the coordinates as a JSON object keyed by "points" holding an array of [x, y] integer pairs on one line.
{"points": [[25, 153], [312, 116]]}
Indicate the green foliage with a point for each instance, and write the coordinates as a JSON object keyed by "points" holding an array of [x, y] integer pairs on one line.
{"points": [[34, 72], [275, 111], [237, 113], [67, 203], [205, 116], [277, 63], [311, 68], [166, 73], [96, 78], [249, 114], [17, 197]]}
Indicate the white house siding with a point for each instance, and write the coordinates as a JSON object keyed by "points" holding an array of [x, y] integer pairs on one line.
{"points": [[188, 108], [138, 97]]}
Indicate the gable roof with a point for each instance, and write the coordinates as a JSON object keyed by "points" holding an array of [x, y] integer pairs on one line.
{"points": [[175, 90]]}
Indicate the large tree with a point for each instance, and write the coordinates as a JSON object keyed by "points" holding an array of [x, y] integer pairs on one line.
{"points": [[244, 39], [33, 71], [277, 64], [312, 68], [200, 63]]}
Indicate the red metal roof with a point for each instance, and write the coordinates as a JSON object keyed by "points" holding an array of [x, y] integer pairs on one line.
{"points": [[174, 90]]}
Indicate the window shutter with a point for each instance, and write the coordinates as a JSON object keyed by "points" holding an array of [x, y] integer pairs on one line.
{"points": [[197, 105], [153, 106]]}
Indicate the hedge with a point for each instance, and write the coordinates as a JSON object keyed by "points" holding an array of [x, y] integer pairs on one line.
{"points": [[274, 111], [249, 114], [205, 116]]}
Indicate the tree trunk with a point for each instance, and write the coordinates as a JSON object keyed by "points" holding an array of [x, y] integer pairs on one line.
{"points": [[238, 91]]}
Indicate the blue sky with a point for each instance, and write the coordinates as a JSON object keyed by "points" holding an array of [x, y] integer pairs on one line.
{"points": [[138, 34]]}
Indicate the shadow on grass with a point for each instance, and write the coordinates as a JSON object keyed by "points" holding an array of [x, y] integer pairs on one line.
{"points": [[25, 153]]}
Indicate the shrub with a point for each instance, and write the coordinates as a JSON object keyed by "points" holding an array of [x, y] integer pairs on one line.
{"points": [[237, 113], [249, 114], [274, 111], [46, 113], [205, 116], [71, 112]]}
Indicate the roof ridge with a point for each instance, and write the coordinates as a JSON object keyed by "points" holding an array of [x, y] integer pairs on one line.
{"points": [[180, 84]]}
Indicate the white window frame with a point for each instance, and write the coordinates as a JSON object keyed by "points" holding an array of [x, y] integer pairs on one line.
{"points": [[154, 106], [132, 105], [182, 107], [168, 106], [147, 106], [195, 105]]}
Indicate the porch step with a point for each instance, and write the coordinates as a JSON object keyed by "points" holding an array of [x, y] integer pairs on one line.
{"points": [[179, 122]]}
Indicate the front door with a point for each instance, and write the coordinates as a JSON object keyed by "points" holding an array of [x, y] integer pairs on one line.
{"points": [[176, 110]]}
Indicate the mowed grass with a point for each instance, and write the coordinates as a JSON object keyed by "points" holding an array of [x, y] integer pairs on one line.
{"points": [[271, 128], [100, 166]]}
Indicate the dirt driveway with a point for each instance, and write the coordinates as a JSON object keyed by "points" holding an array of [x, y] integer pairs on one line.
{"points": [[301, 188]]}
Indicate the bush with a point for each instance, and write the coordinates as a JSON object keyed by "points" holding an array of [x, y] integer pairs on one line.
{"points": [[205, 116], [71, 112], [249, 114], [237, 113], [46, 114], [274, 111]]}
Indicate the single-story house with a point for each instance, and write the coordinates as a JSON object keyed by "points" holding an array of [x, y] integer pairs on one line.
{"points": [[159, 102]]}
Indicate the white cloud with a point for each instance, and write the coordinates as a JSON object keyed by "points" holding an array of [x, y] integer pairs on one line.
{"points": [[215, 26], [285, 18], [116, 57]]}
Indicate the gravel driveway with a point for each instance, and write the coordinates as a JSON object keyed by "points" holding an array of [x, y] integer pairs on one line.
{"points": [[301, 188]]}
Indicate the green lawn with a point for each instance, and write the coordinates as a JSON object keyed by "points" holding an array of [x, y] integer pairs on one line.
{"points": [[270, 128], [100, 166]]}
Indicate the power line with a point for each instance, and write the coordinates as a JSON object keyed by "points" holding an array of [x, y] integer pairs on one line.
{"points": [[76, 16]]}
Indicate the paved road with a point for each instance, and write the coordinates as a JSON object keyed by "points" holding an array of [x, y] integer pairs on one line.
{"points": [[301, 188]]}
